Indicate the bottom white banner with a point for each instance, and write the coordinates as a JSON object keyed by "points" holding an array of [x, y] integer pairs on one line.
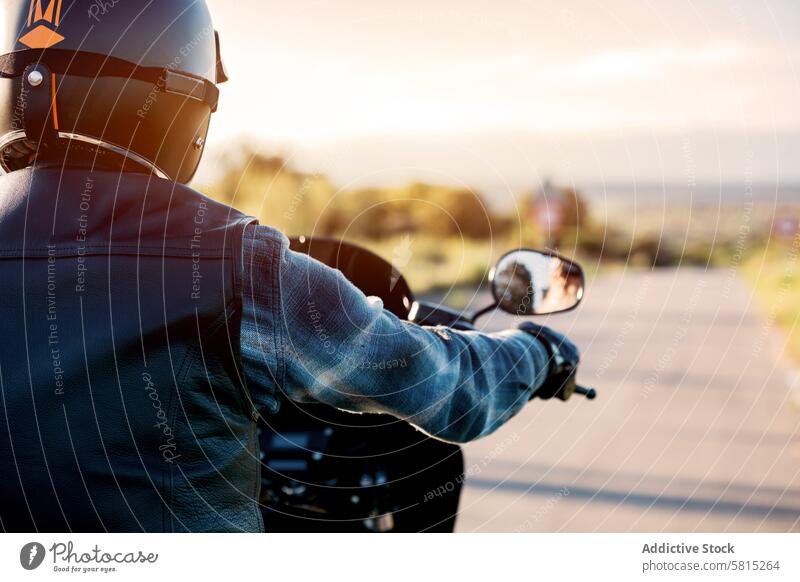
{"points": [[302, 557]]}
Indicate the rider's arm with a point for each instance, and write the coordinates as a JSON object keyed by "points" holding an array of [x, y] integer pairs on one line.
{"points": [[311, 334]]}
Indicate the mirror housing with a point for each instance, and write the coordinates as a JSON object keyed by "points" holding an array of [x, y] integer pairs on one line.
{"points": [[529, 282]]}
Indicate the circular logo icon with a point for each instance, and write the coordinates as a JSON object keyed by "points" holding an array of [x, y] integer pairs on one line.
{"points": [[31, 555]]}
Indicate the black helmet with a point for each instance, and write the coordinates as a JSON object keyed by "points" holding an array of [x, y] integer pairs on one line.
{"points": [[120, 81]]}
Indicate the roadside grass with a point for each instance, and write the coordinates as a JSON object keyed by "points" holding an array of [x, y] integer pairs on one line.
{"points": [[775, 273]]}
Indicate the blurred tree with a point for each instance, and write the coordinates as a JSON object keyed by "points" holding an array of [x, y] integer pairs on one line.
{"points": [[299, 203], [277, 195]]}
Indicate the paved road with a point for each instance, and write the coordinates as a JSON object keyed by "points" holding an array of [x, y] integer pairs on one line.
{"points": [[697, 427]]}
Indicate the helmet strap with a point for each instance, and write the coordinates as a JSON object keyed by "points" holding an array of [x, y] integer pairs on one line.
{"points": [[39, 98]]}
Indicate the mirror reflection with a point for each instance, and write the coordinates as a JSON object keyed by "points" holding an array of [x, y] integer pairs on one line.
{"points": [[533, 283]]}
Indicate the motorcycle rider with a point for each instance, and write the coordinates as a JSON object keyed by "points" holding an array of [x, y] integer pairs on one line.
{"points": [[151, 325]]}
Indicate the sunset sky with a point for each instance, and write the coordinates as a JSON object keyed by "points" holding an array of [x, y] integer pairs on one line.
{"points": [[309, 74]]}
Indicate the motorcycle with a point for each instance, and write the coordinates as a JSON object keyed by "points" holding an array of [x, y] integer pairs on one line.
{"points": [[325, 470]]}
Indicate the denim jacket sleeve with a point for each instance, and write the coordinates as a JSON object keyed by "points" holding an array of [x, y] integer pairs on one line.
{"points": [[311, 335]]}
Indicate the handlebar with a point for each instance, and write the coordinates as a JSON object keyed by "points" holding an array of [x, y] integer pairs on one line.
{"points": [[432, 314], [590, 393]]}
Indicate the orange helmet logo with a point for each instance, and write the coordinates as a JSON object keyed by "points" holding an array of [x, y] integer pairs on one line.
{"points": [[42, 24]]}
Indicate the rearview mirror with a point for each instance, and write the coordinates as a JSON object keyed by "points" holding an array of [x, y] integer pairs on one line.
{"points": [[527, 282]]}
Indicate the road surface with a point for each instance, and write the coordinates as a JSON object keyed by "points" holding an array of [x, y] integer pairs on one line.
{"points": [[697, 427]]}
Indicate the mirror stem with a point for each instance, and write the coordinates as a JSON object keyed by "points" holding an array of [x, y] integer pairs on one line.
{"points": [[483, 311]]}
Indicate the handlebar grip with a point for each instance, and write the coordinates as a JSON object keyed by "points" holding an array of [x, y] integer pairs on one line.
{"points": [[590, 393]]}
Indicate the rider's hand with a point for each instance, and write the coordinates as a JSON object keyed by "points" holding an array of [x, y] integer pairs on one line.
{"points": [[564, 358]]}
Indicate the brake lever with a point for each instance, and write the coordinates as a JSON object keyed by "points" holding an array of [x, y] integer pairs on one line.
{"points": [[569, 387], [590, 393]]}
